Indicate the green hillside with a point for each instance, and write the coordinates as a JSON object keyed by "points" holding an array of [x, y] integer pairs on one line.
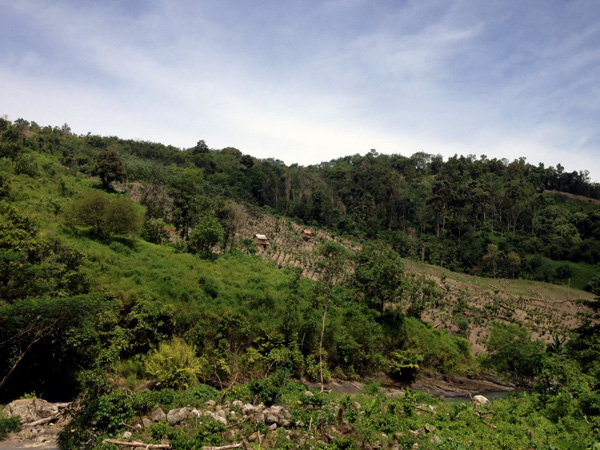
{"points": [[129, 265]]}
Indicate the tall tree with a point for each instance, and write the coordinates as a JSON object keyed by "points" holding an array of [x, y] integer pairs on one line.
{"points": [[109, 168], [378, 275], [331, 265]]}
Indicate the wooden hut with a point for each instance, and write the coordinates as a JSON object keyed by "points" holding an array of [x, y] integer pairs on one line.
{"points": [[261, 241]]}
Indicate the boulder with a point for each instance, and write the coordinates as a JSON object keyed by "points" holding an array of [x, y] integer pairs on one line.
{"points": [[276, 410], [271, 419], [435, 439], [223, 420], [30, 409], [237, 404], [210, 403], [158, 415], [285, 423], [177, 415], [247, 409], [480, 400]]}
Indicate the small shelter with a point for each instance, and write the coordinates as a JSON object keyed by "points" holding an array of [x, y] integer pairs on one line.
{"points": [[261, 241], [307, 235]]}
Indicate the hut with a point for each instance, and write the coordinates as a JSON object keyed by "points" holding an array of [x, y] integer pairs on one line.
{"points": [[261, 241], [307, 235]]}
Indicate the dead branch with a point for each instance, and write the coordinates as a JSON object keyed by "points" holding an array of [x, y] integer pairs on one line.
{"points": [[481, 414], [224, 447], [134, 444], [420, 408], [43, 421]]}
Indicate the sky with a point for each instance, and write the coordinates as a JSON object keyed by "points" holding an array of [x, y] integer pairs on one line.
{"points": [[307, 81]]}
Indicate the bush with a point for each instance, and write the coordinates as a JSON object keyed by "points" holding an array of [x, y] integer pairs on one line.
{"points": [[175, 364], [104, 414], [106, 214], [9, 426], [512, 352]]}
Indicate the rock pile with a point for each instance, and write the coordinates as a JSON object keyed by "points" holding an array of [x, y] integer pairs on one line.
{"points": [[41, 420], [229, 413]]}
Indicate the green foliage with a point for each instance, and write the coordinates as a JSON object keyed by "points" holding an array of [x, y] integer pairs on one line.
{"points": [[109, 167], [175, 364], [248, 320], [47, 339], [9, 425], [153, 230], [404, 364], [108, 215], [94, 416], [207, 234], [512, 352], [145, 401], [378, 275], [438, 349]]}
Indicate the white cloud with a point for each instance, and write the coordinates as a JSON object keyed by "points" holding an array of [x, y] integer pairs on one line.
{"points": [[311, 82]]}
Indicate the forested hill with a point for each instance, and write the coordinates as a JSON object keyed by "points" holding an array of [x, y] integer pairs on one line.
{"points": [[478, 215], [129, 279]]}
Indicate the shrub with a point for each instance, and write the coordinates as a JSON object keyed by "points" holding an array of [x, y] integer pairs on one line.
{"points": [[104, 414], [106, 214], [175, 364], [511, 351], [9, 425]]}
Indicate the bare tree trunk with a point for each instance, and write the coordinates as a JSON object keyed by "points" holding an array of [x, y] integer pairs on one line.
{"points": [[14, 366], [321, 345]]}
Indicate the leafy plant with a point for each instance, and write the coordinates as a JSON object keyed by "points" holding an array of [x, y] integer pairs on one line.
{"points": [[175, 364]]}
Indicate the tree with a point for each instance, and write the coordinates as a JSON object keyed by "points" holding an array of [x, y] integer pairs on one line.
{"points": [[511, 351], [30, 322], [109, 168], [200, 148], [491, 258], [106, 214], [331, 266], [206, 235], [378, 275], [32, 265], [513, 264]]}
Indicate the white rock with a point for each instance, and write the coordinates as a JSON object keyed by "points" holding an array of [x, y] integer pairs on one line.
{"points": [[158, 415], [247, 409], [177, 415], [480, 400], [30, 409]]}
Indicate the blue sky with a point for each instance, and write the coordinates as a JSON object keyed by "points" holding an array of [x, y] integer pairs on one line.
{"points": [[309, 81]]}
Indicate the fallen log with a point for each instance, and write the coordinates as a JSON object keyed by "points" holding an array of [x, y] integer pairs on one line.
{"points": [[135, 444], [43, 421], [224, 447]]}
